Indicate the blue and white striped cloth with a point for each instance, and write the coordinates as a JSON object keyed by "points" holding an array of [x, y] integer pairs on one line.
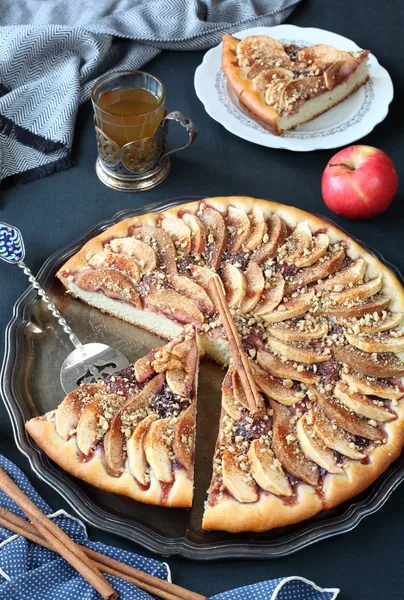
{"points": [[52, 51], [30, 572]]}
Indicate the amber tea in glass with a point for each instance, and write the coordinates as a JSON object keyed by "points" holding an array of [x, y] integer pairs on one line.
{"points": [[128, 105]]}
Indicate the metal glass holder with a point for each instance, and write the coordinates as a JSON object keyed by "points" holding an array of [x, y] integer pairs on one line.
{"points": [[142, 164]]}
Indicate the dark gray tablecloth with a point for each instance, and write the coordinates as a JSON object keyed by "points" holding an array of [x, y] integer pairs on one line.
{"points": [[367, 562]]}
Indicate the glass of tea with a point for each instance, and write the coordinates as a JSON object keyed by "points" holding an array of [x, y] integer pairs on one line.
{"points": [[131, 124], [129, 105]]}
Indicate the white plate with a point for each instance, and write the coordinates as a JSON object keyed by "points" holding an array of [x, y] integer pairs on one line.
{"points": [[342, 125]]}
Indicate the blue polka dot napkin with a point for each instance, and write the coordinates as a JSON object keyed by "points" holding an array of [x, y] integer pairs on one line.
{"points": [[30, 572]]}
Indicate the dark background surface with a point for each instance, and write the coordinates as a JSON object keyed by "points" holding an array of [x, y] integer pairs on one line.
{"points": [[367, 562]]}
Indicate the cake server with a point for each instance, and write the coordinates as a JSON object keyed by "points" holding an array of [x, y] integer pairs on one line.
{"points": [[87, 362]]}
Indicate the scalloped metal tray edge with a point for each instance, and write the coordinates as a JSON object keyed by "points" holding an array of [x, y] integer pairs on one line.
{"points": [[296, 537]]}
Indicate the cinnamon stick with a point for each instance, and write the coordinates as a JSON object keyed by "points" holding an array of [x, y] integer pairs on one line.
{"points": [[238, 354], [148, 583], [58, 539]]}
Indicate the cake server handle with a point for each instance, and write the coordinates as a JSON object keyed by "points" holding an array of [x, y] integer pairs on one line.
{"points": [[12, 251]]}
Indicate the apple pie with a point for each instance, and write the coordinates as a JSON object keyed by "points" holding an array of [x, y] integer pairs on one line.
{"points": [[133, 432], [319, 323], [283, 86]]}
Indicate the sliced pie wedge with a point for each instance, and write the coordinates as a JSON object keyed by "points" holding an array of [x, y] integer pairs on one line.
{"points": [[139, 441]]}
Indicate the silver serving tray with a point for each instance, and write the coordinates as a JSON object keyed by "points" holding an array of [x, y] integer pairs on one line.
{"points": [[34, 352]]}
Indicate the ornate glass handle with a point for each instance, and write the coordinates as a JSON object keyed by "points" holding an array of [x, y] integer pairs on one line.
{"points": [[12, 251], [185, 122]]}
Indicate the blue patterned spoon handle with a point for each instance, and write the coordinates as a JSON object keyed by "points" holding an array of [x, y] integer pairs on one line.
{"points": [[12, 251]]}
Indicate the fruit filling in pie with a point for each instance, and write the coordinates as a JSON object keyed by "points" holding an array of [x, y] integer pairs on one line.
{"points": [[320, 336], [283, 86]]}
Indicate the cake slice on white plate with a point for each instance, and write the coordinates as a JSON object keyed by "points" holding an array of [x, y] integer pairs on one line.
{"points": [[283, 86]]}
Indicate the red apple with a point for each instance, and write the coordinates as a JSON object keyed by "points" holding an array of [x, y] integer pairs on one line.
{"points": [[359, 182]]}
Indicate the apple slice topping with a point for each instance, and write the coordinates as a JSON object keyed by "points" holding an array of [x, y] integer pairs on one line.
{"points": [[238, 390], [112, 283], [264, 78], [381, 343], [301, 89], [296, 244], [123, 423], [136, 455], [361, 404], [157, 445], [371, 386], [119, 262], [373, 323], [285, 370], [303, 354], [373, 365], [322, 55], [257, 49], [191, 290], [267, 470], [326, 266], [287, 448], [162, 244], [354, 294], [143, 367], [318, 249], [216, 235], [347, 419], [143, 254], [272, 296], [258, 229], [313, 447], [229, 403], [178, 231], [237, 481], [301, 331], [235, 284], [95, 419], [183, 443], [274, 91], [174, 305], [255, 286], [198, 232], [272, 240], [375, 305], [274, 388], [333, 436], [69, 411], [239, 227], [332, 73], [295, 307], [344, 278]]}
